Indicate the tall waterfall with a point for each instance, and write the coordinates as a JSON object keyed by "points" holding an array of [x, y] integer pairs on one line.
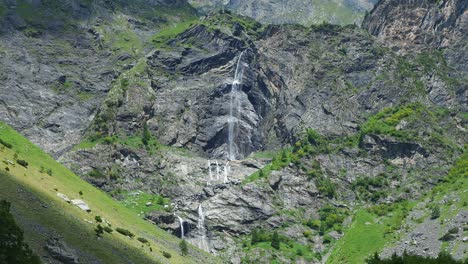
{"points": [[202, 240], [234, 108], [181, 221], [217, 170]]}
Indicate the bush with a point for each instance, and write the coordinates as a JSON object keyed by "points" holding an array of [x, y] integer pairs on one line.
{"points": [[108, 229], [6, 144], [96, 174], [327, 239], [142, 240], [166, 254], [183, 247], [443, 258], [453, 230], [98, 219], [23, 163], [125, 232], [49, 172], [99, 230], [435, 212], [275, 241]]}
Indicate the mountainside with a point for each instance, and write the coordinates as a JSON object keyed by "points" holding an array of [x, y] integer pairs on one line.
{"points": [[293, 11], [257, 143], [43, 195]]}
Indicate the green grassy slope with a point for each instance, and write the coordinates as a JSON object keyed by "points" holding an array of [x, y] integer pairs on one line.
{"points": [[41, 213], [370, 233]]}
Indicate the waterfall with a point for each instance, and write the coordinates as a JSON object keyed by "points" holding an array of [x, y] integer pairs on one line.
{"points": [[181, 221], [217, 170], [225, 170], [202, 240], [234, 108], [209, 169]]}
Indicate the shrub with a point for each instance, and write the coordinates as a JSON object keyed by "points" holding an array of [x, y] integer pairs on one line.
{"points": [[108, 229], [80, 193], [99, 230], [96, 174], [142, 240], [146, 135], [183, 247], [166, 254], [6, 144], [49, 172], [125, 232], [443, 258], [453, 230], [327, 239], [7, 169], [326, 187], [98, 219], [23, 163], [275, 241], [435, 212], [447, 237]]}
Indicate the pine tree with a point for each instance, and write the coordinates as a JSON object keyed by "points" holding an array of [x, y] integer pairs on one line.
{"points": [[146, 135], [183, 247], [275, 241]]}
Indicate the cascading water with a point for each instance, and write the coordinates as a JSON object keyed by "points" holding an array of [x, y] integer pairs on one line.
{"points": [[181, 221], [225, 171], [234, 109], [209, 169], [217, 170], [202, 240]]}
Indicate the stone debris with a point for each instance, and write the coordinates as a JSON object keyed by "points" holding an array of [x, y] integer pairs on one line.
{"points": [[64, 197], [81, 204]]}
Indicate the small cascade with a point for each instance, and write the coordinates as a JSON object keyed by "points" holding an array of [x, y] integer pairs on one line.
{"points": [[181, 221], [217, 171], [234, 108], [225, 171], [202, 239], [209, 169]]}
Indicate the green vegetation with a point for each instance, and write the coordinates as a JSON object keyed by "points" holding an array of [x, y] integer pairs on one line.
{"points": [[143, 203], [183, 247], [12, 247], [274, 242], [371, 188], [161, 39], [67, 220], [443, 258], [125, 232], [143, 240]]}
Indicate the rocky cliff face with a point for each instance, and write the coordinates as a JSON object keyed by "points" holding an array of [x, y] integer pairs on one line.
{"points": [[293, 11], [57, 69], [419, 24], [249, 127]]}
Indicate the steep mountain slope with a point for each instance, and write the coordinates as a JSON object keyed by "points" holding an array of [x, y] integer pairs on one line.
{"points": [[390, 125], [58, 58], [293, 11], [282, 143], [47, 218]]}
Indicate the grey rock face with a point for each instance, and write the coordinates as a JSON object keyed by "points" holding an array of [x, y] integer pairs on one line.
{"points": [[405, 24], [292, 11]]}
